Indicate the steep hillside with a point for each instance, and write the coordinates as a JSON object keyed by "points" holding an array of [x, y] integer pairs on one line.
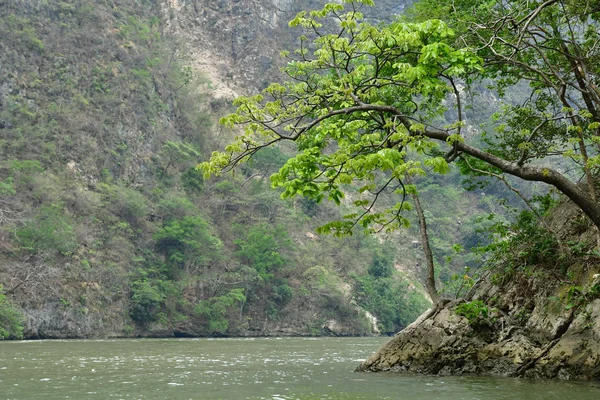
{"points": [[106, 227], [237, 42]]}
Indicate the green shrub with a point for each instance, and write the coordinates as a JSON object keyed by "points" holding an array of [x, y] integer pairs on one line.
{"points": [[265, 162], [522, 244], [174, 154], [174, 207], [260, 249], [11, 321], [475, 311], [24, 33], [390, 300], [215, 310], [7, 188], [126, 203], [50, 230], [382, 265], [192, 181], [146, 299], [188, 238], [23, 171], [283, 294]]}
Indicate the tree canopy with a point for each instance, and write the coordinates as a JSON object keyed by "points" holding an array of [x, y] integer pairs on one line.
{"points": [[373, 105]]}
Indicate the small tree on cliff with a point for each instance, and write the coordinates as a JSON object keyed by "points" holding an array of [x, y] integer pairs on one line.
{"points": [[362, 105]]}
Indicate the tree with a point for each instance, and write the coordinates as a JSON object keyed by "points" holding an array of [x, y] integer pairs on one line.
{"points": [[261, 250], [11, 321], [186, 242], [427, 252], [175, 153], [215, 309], [553, 46], [369, 105]]}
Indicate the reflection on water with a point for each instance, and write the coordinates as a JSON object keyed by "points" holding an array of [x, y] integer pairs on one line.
{"points": [[286, 368]]}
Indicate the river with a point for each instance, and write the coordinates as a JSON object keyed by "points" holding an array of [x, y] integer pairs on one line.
{"points": [[274, 368]]}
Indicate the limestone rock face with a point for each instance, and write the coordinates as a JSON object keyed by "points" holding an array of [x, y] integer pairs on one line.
{"points": [[236, 43], [529, 333]]}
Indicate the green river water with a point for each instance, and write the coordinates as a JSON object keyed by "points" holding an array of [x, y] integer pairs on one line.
{"points": [[286, 368]]}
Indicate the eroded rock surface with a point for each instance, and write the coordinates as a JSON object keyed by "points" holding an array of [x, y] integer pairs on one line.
{"points": [[530, 332]]}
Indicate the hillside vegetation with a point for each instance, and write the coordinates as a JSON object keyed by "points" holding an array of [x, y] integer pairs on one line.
{"points": [[107, 228]]}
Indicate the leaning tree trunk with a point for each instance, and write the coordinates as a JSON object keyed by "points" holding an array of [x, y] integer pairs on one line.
{"points": [[430, 282]]}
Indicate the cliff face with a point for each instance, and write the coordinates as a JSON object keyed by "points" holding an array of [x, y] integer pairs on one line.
{"points": [[236, 43], [531, 321]]}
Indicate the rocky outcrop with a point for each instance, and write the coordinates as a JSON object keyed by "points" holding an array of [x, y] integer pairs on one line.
{"points": [[236, 43], [534, 327]]}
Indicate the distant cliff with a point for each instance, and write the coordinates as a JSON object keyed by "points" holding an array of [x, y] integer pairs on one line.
{"points": [[237, 42]]}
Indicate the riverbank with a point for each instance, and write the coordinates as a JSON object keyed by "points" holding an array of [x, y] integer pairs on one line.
{"points": [[446, 344], [519, 320]]}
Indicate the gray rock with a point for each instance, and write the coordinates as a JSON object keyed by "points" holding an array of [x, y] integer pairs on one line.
{"points": [[532, 335]]}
